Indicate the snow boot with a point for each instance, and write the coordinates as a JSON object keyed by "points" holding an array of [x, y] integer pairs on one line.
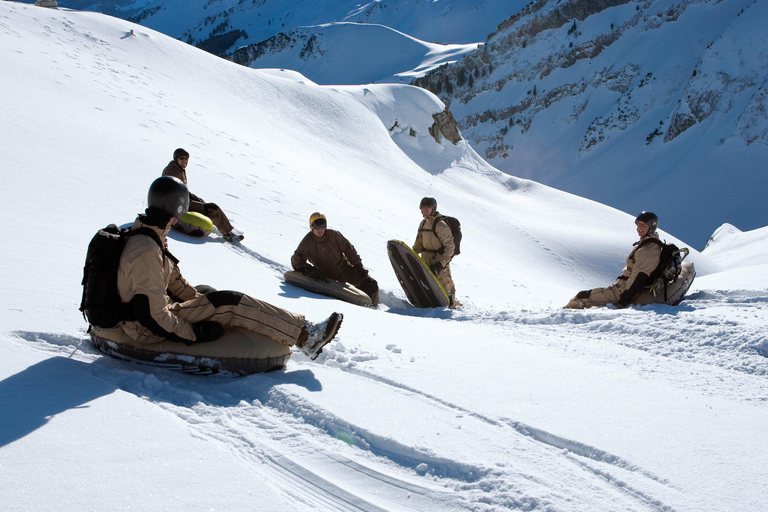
{"points": [[233, 236], [319, 335]]}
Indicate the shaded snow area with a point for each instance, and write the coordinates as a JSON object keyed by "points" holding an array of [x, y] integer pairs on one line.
{"points": [[351, 53], [235, 23], [508, 404]]}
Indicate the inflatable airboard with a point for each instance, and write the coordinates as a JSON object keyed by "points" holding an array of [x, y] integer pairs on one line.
{"points": [[675, 291], [239, 351], [329, 288], [195, 224], [420, 285]]}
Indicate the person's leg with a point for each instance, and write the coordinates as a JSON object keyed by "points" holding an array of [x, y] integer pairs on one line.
{"points": [[235, 309], [447, 281], [219, 218], [362, 281], [597, 297]]}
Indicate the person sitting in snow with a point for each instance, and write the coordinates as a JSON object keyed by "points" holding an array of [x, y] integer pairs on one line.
{"points": [[434, 242], [177, 169], [333, 256], [641, 263], [166, 307]]}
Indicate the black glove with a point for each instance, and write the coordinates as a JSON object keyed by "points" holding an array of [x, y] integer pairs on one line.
{"points": [[584, 294], [436, 268], [313, 272], [207, 331], [624, 301]]}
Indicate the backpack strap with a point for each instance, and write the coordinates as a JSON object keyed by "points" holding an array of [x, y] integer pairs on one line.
{"points": [[441, 250], [650, 241], [154, 236]]}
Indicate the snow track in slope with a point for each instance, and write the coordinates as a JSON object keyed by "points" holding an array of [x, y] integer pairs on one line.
{"points": [[284, 432], [723, 330]]}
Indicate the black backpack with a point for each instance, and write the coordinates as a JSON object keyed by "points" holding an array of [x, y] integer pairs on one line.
{"points": [[455, 226], [101, 305]]}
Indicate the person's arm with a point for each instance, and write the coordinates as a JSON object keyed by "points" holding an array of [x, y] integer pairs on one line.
{"points": [[300, 256], [143, 272], [418, 245], [443, 232], [180, 287], [348, 250], [646, 261]]}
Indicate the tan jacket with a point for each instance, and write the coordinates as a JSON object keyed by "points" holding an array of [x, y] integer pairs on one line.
{"points": [[644, 258], [145, 270], [331, 253], [176, 171], [428, 242]]}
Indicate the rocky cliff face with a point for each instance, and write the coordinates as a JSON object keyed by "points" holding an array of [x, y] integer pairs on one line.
{"points": [[568, 92], [551, 35]]}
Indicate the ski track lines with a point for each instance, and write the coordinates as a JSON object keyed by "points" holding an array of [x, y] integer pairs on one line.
{"points": [[695, 331], [327, 463], [308, 445], [300, 440], [575, 451]]}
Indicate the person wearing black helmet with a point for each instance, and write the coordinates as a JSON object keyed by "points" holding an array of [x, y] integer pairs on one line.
{"points": [[434, 242], [177, 168], [326, 252], [641, 262], [166, 307]]}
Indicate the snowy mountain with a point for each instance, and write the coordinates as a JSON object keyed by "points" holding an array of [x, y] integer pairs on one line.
{"points": [[510, 403], [350, 53], [654, 105], [221, 26]]}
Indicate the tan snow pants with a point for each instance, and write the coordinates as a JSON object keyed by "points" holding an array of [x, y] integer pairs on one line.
{"points": [[235, 309], [598, 297], [213, 212]]}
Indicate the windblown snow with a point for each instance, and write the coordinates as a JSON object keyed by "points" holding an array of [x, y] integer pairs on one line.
{"points": [[510, 403]]}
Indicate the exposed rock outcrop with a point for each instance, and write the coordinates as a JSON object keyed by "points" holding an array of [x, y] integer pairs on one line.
{"points": [[445, 125]]}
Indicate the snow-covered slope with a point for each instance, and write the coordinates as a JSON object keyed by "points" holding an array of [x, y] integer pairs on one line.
{"points": [[511, 403], [657, 105], [729, 247]]}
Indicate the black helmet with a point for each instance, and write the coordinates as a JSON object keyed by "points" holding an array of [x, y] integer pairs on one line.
{"points": [[180, 152], [429, 201], [649, 218], [169, 195]]}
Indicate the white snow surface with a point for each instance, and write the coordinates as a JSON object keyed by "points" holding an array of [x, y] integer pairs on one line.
{"points": [[510, 403], [730, 246]]}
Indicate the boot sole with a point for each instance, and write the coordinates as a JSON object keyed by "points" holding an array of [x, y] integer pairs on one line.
{"points": [[328, 339]]}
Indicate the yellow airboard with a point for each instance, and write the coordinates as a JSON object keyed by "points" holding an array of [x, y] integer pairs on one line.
{"points": [[195, 224]]}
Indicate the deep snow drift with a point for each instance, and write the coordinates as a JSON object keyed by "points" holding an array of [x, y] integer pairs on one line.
{"points": [[511, 403]]}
